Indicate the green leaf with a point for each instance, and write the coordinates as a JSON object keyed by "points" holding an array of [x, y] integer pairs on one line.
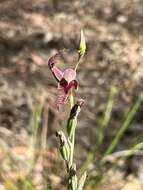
{"points": [[82, 181]]}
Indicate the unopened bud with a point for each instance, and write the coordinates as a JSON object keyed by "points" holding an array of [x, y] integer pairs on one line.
{"points": [[64, 146], [72, 121], [76, 109], [72, 178], [82, 45], [62, 137]]}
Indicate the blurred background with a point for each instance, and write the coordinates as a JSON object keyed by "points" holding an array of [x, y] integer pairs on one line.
{"points": [[110, 81]]}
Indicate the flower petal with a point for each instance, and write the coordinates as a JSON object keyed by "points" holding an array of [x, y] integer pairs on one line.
{"points": [[58, 74], [53, 60], [69, 75]]}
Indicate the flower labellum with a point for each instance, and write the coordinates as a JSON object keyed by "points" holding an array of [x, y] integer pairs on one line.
{"points": [[66, 81]]}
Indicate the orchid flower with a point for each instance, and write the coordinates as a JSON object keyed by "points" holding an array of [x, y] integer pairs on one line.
{"points": [[66, 81]]}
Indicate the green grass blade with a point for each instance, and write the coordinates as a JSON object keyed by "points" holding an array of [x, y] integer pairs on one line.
{"points": [[124, 126], [104, 121], [135, 150], [36, 118], [138, 146]]}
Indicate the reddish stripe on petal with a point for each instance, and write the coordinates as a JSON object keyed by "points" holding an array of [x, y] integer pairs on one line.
{"points": [[63, 83], [73, 83]]}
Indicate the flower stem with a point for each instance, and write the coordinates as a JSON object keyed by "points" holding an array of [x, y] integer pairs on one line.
{"points": [[72, 127], [72, 139], [71, 100], [78, 62]]}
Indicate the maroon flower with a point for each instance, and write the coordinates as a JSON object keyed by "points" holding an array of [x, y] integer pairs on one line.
{"points": [[66, 81]]}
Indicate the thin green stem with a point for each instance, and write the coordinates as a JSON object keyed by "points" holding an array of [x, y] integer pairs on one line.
{"points": [[72, 127], [71, 100], [71, 136], [78, 62], [72, 148]]}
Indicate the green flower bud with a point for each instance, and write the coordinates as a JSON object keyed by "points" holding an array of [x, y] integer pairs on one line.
{"points": [[82, 45], [64, 146], [65, 152], [72, 121], [72, 180]]}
